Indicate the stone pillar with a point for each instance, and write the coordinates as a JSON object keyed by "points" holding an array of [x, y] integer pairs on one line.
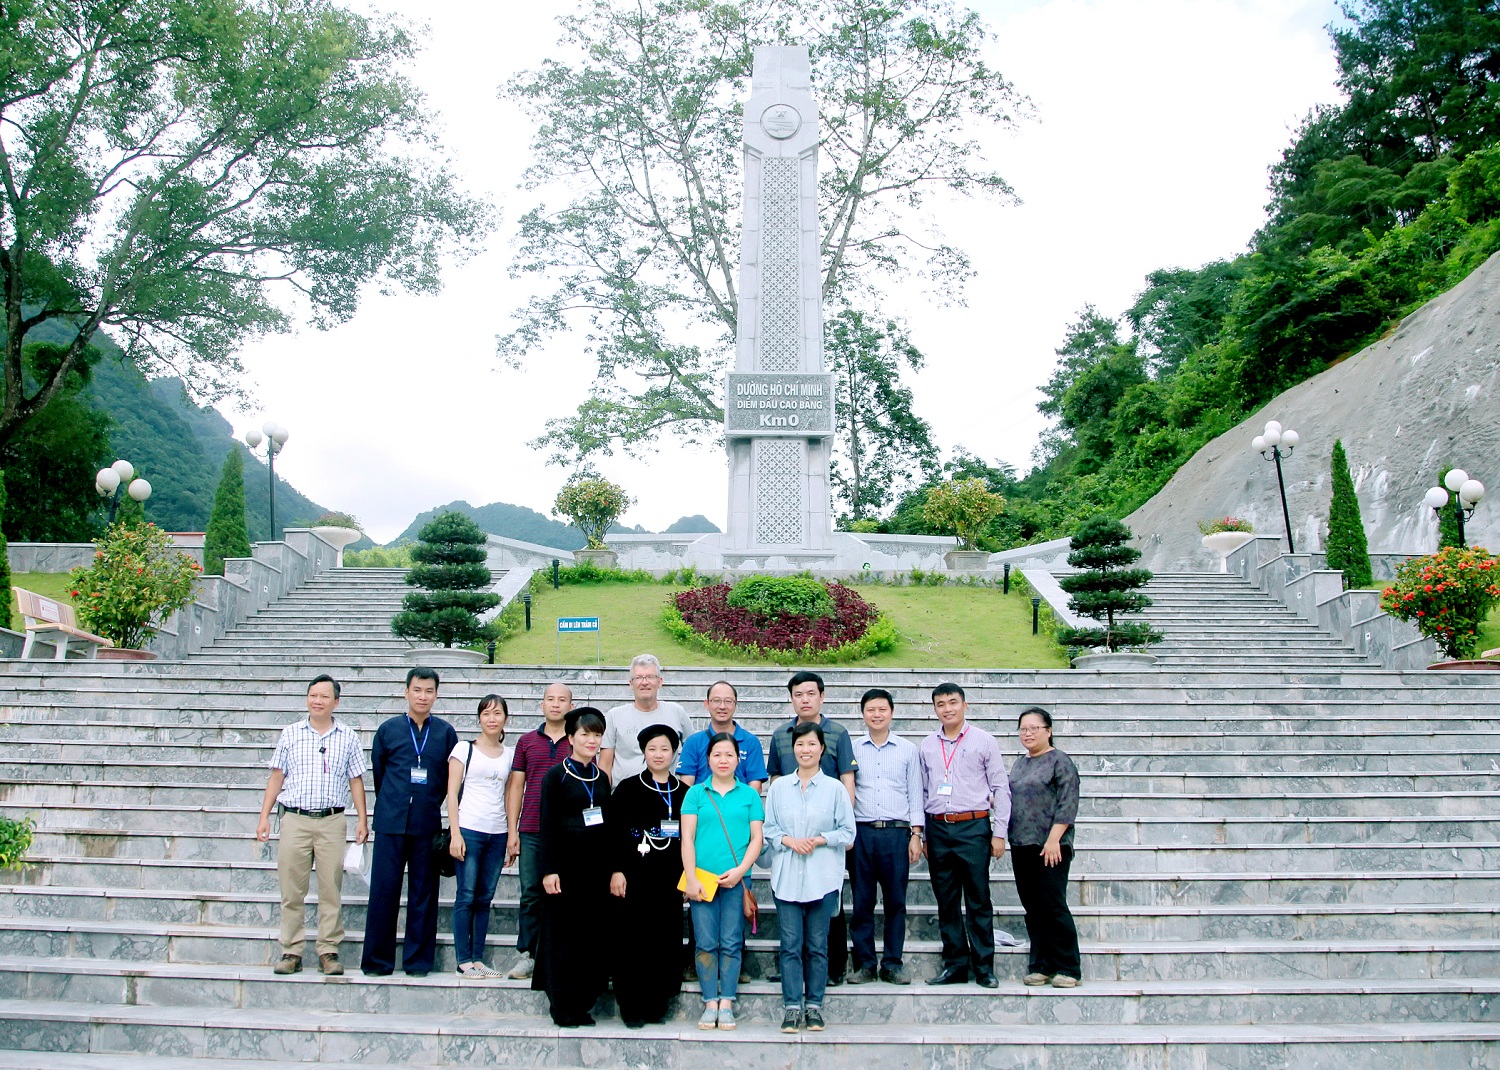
{"points": [[779, 401]]}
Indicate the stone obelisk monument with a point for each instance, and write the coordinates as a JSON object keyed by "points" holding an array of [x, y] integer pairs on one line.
{"points": [[779, 400]]}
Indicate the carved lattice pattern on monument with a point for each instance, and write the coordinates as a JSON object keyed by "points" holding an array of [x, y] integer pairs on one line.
{"points": [[778, 492], [779, 283]]}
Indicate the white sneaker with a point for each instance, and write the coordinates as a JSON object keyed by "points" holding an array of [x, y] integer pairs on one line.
{"points": [[523, 967]]}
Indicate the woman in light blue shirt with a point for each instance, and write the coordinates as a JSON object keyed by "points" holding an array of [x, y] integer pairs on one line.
{"points": [[809, 822]]}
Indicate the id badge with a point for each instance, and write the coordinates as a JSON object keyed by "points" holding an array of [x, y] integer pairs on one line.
{"points": [[593, 815], [671, 830], [945, 789], [418, 775]]}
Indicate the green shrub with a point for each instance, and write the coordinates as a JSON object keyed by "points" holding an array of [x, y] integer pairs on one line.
{"points": [[1348, 550], [880, 636], [773, 596], [449, 566], [379, 557], [1106, 587], [138, 579], [15, 840]]}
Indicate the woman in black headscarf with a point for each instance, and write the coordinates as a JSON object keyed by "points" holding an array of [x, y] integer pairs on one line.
{"points": [[576, 863], [644, 816]]}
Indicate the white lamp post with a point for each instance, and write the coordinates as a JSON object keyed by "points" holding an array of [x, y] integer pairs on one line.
{"points": [[1270, 444], [275, 438], [108, 482], [1467, 494]]}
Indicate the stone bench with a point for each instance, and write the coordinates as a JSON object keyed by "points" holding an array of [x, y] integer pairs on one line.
{"points": [[54, 622]]}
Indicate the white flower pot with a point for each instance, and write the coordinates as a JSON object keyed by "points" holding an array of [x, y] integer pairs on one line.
{"points": [[1118, 661], [967, 560], [338, 538], [1225, 543], [438, 656]]}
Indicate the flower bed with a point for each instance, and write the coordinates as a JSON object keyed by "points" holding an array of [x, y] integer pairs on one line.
{"points": [[704, 618]]}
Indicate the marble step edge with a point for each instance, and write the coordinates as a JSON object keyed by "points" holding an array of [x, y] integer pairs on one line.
{"points": [[503, 903], [1145, 948], [986, 1035]]}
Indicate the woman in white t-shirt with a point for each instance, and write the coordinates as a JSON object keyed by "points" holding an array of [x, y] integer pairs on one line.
{"points": [[477, 770]]}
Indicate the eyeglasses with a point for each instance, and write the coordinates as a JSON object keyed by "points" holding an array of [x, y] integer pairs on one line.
{"points": [[1027, 729], [644, 676]]}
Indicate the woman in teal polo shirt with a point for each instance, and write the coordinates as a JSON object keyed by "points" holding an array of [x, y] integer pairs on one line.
{"points": [[721, 834]]}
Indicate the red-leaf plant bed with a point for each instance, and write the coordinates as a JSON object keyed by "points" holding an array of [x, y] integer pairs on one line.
{"points": [[708, 612]]}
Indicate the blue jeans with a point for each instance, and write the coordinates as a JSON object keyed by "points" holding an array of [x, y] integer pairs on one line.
{"points": [[719, 932], [476, 877], [804, 949]]}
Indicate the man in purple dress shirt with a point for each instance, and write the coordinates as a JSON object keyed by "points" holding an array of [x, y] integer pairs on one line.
{"points": [[967, 802]]}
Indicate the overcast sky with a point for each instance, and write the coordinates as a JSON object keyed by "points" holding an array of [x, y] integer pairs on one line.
{"points": [[1156, 121]]}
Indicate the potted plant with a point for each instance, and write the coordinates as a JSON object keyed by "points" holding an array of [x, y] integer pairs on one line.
{"points": [[592, 503], [450, 569], [1104, 589], [1448, 595], [1224, 536], [138, 578], [338, 529], [964, 507]]}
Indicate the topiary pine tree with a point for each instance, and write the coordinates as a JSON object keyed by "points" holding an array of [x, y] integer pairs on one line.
{"points": [[1348, 551], [227, 535], [1106, 587], [450, 568]]}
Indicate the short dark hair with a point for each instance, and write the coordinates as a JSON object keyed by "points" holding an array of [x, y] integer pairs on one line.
{"points": [[652, 731], [874, 693], [732, 689], [422, 672], [1043, 714], [808, 728], [586, 718], [948, 687], [804, 677], [722, 737], [324, 678]]}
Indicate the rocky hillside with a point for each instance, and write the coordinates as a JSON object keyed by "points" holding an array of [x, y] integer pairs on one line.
{"points": [[1425, 398]]}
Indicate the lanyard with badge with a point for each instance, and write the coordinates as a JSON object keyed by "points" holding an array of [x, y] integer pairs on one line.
{"points": [[947, 786], [592, 815], [419, 774], [668, 829]]}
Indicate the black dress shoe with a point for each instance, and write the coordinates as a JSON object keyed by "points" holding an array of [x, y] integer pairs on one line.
{"points": [[895, 975], [834, 980], [416, 973], [372, 972], [987, 980], [953, 975]]}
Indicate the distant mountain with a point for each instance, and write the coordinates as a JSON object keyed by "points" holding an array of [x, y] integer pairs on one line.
{"points": [[528, 525], [695, 524]]}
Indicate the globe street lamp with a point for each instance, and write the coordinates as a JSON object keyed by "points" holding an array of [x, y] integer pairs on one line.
{"points": [[1466, 495], [275, 438], [1270, 445], [120, 477]]}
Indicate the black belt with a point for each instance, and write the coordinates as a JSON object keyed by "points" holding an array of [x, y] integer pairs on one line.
{"points": [[328, 811], [884, 824]]}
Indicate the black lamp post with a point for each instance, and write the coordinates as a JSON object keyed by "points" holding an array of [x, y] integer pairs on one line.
{"points": [[117, 480], [1467, 494], [1271, 445], [275, 438]]}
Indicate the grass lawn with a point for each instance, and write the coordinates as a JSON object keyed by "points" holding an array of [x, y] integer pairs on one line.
{"points": [[1489, 635], [49, 584], [940, 627]]}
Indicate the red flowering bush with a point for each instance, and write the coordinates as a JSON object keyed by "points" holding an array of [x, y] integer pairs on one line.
{"points": [[137, 580], [704, 617], [1447, 595]]}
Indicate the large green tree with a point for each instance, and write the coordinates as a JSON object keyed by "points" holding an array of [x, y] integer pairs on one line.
{"points": [[227, 535], [170, 168], [640, 117], [1348, 549], [882, 446]]}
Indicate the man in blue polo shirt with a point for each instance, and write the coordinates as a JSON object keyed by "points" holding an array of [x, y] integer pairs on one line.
{"points": [[721, 703]]}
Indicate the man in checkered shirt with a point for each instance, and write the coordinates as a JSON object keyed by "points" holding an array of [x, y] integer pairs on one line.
{"points": [[318, 764]]}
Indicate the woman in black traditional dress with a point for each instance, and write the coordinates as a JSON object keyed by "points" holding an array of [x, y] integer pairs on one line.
{"points": [[645, 819], [576, 863]]}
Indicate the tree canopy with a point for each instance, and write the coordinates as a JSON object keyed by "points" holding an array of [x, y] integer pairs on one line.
{"points": [[173, 169]]}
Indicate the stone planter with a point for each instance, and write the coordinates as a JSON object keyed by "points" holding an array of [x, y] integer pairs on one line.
{"points": [[339, 538], [967, 560], [1118, 661], [600, 558], [437, 656], [124, 653], [1466, 665], [1225, 543]]}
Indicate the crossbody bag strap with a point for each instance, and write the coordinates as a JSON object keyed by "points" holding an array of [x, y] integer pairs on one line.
{"points": [[468, 763], [709, 791]]}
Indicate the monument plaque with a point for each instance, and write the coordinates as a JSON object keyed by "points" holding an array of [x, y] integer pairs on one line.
{"points": [[778, 411], [779, 403]]}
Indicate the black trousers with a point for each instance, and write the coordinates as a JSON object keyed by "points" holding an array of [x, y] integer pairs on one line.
{"points": [[958, 856], [880, 862], [838, 931], [396, 855], [1049, 923]]}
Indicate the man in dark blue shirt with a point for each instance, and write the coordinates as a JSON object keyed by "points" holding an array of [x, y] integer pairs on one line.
{"points": [[409, 761]]}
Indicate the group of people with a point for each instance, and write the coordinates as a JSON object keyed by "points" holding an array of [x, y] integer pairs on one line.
{"points": [[633, 808]]}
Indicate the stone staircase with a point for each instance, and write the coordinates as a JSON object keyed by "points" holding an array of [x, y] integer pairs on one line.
{"points": [[1213, 621], [1279, 866]]}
